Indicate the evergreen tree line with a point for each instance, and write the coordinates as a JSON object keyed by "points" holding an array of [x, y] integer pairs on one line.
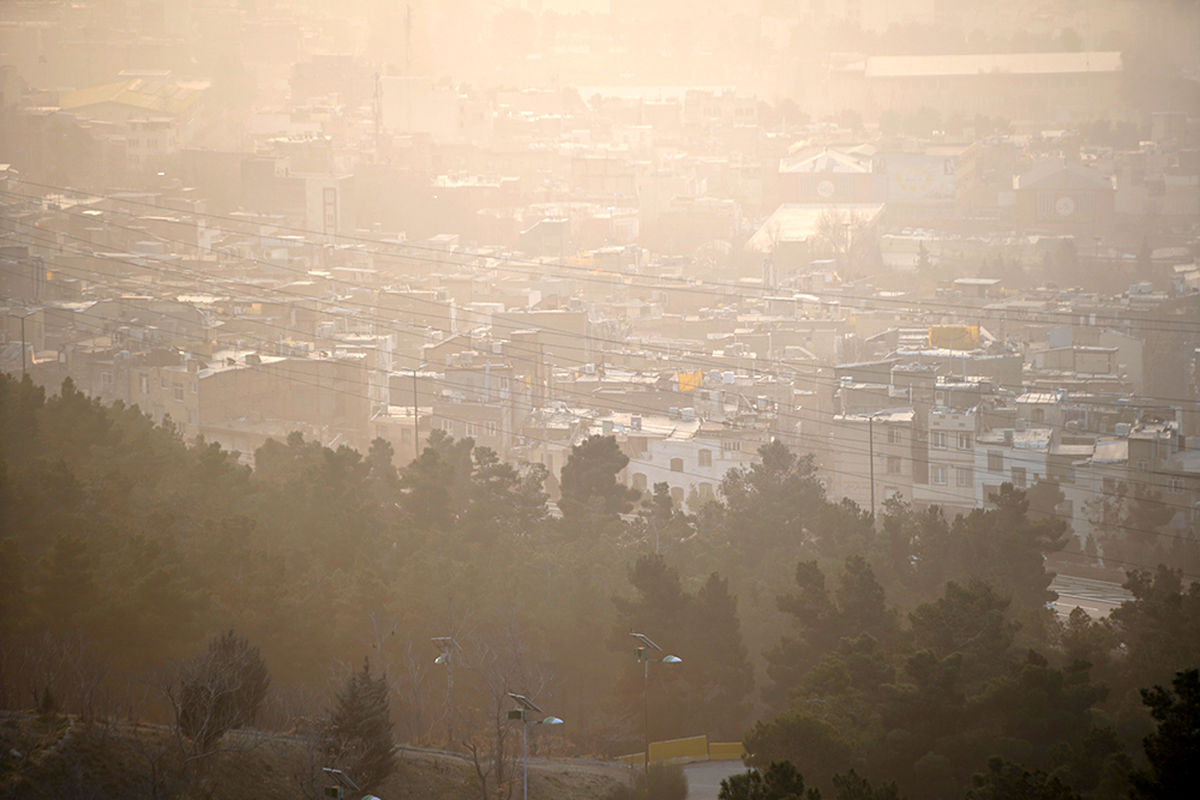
{"points": [[911, 650]]}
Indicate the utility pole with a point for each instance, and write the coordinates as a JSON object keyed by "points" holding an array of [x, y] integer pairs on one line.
{"points": [[416, 425], [871, 457], [408, 39], [22, 348], [377, 103]]}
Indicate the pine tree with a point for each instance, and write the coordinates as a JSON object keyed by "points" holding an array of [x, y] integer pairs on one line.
{"points": [[589, 479], [358, 735], [1171, 749]]}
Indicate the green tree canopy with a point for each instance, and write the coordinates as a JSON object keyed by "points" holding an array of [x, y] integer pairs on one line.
{"points": [[589, 479], [1172, 748], [358, 734]]}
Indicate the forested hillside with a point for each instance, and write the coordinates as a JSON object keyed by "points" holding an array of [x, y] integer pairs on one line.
{"points": [[913, 651]]}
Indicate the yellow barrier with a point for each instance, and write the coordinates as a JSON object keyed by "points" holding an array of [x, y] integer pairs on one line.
{"points": [[693, 748], [688, 749], [726, 751]]}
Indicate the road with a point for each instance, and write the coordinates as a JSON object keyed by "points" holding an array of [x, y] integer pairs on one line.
{"points": [[1095, 597], [704, 777]]}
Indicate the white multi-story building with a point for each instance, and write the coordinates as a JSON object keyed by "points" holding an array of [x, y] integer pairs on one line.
{"points": [[884, 437], [951, 462], [690, 455], [1011, 456]]}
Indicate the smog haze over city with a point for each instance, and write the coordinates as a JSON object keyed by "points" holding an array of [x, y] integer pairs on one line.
{"points": [[615, 399]]}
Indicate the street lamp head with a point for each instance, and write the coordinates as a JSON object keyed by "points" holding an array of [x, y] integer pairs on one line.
{"points": [[552, 721], [672, 660], [442, 659]]}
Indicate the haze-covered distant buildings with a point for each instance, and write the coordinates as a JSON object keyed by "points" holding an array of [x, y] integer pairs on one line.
{"points": [[935, 272]]}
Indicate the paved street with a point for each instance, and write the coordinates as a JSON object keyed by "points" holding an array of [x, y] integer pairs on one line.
{"points": [[1095, 597], [704, 777]]}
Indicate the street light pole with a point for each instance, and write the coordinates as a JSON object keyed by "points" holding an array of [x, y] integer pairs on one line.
{"points": [[646, 714], [643, 655], [522, 714], [448, 646]]}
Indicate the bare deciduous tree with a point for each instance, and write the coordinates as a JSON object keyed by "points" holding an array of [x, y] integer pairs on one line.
{"points": [[220, 690], [493, 741]]}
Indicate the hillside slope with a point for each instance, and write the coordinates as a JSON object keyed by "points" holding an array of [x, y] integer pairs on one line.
{"points": [[64, 757]]}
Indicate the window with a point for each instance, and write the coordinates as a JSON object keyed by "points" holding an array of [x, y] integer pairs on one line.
{"points": [[893, 464], [447, 425], [144, 383], [705, 492], [730, 445], [1018, 477], [106, 380], [995, 461], [964, 477], [895, 436], [964, 441], [162, 381], [706, 458], [639, 481], [194, 387], [1176, 486], [491, 429], [472, 429], [676, 496], [177, 392], [1039, 415], [676, 465], [937, 474], [937, 440]]}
